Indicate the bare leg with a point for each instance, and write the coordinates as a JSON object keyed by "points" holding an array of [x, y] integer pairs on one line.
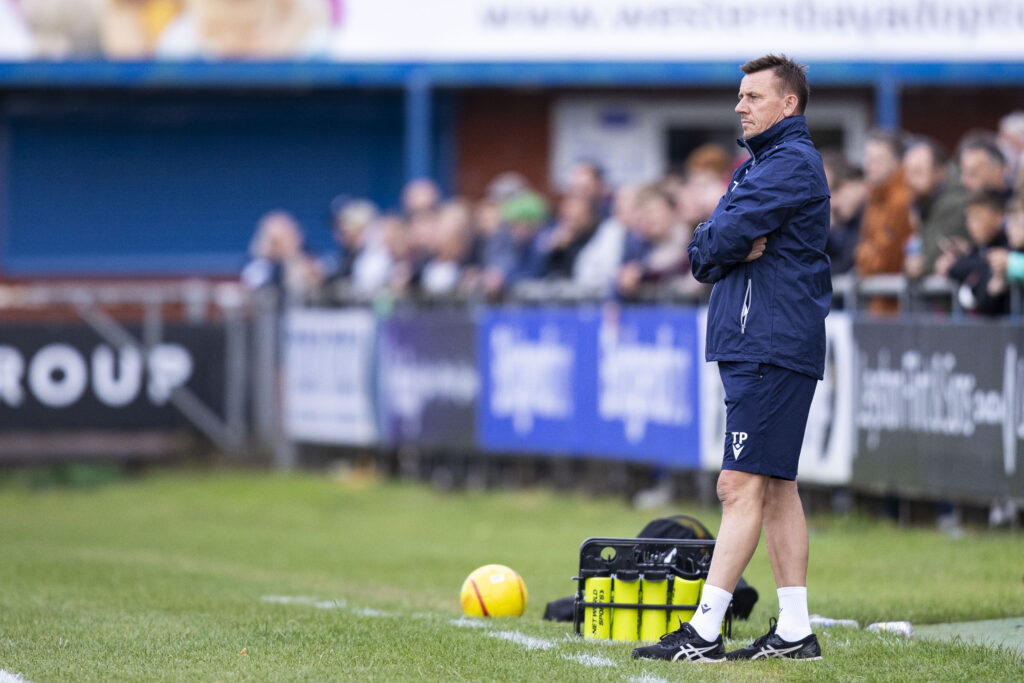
{"points": [[785, 533], [742, 495]]}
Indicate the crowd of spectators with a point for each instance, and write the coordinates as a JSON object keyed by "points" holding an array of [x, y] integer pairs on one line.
{"points": [[911, 210], [598, 243], [917, 211]]}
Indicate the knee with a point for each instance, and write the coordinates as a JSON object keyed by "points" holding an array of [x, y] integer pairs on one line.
{"points": [[740, 488]]}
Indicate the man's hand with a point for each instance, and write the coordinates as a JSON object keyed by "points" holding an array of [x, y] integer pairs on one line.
{"points": [[997, 259], [629, 277], [913, 266], [952, 250], [757, 250]]}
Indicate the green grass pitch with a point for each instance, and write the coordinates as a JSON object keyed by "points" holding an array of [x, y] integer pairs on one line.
{"points": [[174, 577]]}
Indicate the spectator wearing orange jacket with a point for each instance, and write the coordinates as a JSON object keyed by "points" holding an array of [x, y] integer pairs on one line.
{"points": [[886, 224]]}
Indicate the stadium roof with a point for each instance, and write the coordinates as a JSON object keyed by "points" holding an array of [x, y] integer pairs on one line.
{"points": [[287, 75]]}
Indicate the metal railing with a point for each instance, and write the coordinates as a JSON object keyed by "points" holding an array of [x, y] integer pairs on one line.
{"points": [[250, 420], [111, 310]]}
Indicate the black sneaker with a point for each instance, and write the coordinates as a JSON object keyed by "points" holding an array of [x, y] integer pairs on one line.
{"points": [[771, 645], [684, 644]]}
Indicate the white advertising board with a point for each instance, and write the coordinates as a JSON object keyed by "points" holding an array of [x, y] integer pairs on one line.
{"points": [[329, 376], [690, 30]]}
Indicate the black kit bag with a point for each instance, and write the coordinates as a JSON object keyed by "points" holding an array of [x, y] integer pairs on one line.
{"points": [[681, 527], [685, 527]]}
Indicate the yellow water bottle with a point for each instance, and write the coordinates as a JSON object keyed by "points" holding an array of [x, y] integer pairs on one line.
{"points": [[684, 592], [625, 591], [653, 591], [597, 621]]}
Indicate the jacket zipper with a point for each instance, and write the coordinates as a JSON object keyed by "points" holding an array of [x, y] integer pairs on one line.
{"points": [[745, 311], [750, 151]]}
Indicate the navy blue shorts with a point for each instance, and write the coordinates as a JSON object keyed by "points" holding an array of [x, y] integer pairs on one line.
{"points": [[766, 410]]}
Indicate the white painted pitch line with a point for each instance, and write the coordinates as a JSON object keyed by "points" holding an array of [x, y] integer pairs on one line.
{"points": [[646, 678], [289, 599], [8, 677], [370, 612], [304, 600], [529, 642], [466, 622], [589, 660], [591, 642]]}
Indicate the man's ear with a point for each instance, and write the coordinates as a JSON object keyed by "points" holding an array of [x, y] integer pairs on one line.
{"points": [[789, 104]]}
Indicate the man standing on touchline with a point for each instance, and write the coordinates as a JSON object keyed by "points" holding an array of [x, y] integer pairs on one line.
{"points": [[763, 248]]}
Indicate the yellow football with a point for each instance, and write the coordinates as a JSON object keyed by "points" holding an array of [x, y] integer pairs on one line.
{"points": [[493, 590]]}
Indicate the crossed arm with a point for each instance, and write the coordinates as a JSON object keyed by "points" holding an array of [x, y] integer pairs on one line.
{"points": [[738, 230]]}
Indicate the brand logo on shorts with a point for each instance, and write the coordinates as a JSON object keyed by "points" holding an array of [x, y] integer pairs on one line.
{"points": [[737, 443]]}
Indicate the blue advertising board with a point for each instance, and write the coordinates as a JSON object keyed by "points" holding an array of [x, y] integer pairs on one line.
{"points": [[646, 404], [616, 382], [531, 379]]}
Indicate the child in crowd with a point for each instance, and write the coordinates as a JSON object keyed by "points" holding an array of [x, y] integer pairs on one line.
{"points": [[1008, 264], [968, 264]]}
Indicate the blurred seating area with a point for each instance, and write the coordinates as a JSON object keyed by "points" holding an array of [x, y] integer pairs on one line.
{"points": [[915, 228]]}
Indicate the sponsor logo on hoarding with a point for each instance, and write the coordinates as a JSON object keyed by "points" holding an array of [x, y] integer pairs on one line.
{"points": [[412, 383], [58, 375], [530, 378], [641, 383], [927, 394]]}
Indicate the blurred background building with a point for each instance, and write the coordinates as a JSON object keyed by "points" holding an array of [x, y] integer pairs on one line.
{"points": [[116, 111]]}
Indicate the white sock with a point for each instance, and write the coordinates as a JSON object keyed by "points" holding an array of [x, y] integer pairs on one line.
{"points": [[707, 620], [794, 623]]}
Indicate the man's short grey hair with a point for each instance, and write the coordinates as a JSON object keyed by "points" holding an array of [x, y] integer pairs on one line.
{"points": [[1012, 123], [984, 141]]}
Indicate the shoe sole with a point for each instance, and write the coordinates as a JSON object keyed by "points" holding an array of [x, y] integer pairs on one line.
{"points": [[791, 659], [698, 661], [688, 661]]}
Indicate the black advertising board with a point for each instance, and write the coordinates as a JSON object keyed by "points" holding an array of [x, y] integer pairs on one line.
{"points": [[64, 376], [940, 408]]}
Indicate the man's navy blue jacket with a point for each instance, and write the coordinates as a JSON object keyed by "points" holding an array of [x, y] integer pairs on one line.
{"points": [[771, 310]]}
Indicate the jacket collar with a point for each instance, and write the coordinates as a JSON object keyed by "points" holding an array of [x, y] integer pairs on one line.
{"points": [[787, 129]]}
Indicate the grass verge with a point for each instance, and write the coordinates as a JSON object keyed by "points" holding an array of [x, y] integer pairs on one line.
{"points": [[168, 578]]}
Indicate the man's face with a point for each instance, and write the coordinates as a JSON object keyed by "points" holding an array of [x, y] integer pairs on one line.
{"points": [[983, 223], [762, 103], [583, 181], [919, 168], [879, 162], [848, 198], [575, 212], [657, 217], [978, 171], [625, 206]]}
